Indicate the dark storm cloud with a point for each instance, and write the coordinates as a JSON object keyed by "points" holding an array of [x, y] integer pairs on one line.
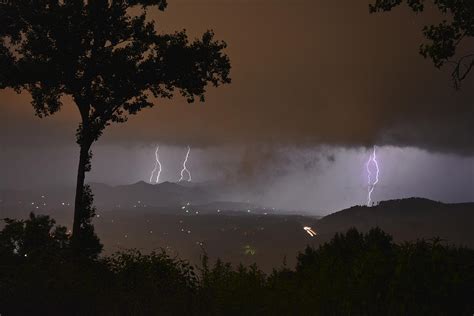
{"points": [[257, 160], [305, 73]]}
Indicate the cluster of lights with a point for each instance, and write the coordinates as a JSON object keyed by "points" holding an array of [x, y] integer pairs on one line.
{"points": [[138, 205], [42, 203], [187, 208], [249, 234]]}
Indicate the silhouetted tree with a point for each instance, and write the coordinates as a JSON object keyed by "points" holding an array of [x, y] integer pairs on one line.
{"points": [[88, 241], [446, 40], [36, 237], [109, 57], [152, 284], [352, 274], [233, 292]]}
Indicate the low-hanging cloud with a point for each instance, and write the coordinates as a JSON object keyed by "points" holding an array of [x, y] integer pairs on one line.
{"points": [[306, 74]]}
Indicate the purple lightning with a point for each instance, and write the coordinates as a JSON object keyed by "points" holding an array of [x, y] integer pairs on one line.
{"points": [[371, 185], [157, 167], [184, 167]]}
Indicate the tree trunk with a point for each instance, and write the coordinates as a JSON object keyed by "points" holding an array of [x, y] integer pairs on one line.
{"points": [[78, 204]]}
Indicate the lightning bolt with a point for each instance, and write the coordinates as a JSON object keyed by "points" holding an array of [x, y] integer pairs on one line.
{"points": [[184, 167], [371, 185], [157, 167]]}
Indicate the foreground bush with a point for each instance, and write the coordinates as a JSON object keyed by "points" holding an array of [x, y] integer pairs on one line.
{"points": [[353, 274]]}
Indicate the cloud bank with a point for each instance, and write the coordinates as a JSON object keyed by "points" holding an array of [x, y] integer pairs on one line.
{"points": [[305, 74]]}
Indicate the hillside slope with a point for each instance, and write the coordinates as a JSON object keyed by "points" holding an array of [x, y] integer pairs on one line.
{"points": [[406, 219]]}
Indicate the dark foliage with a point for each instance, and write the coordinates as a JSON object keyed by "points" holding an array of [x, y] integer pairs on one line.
{"points": [[353, 274], [87, 243], [107, 56], [448, 39]]}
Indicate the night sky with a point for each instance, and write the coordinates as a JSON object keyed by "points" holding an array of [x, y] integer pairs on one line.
{"points": [[315, 85]]}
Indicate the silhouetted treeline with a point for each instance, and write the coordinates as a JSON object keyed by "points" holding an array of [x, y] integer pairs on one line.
{"points": [[353, 274]]}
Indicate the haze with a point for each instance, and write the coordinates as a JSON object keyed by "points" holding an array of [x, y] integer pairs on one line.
{"points": [[315, 83]]}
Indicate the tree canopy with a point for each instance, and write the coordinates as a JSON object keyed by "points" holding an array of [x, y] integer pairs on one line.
{"points": [[108, 56], [110, 61], [352, 274], [449, 42]]}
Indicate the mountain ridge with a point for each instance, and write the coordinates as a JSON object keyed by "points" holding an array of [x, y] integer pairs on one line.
{"points": [[407, 219]]}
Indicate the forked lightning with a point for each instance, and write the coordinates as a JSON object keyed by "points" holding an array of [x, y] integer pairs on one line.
{"points": [[185, 169], [371, 184], [157, 167]]}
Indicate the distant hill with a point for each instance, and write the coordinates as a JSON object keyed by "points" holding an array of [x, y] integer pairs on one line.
{"points": [[155, 195], [203, 196], [406, 219]]}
